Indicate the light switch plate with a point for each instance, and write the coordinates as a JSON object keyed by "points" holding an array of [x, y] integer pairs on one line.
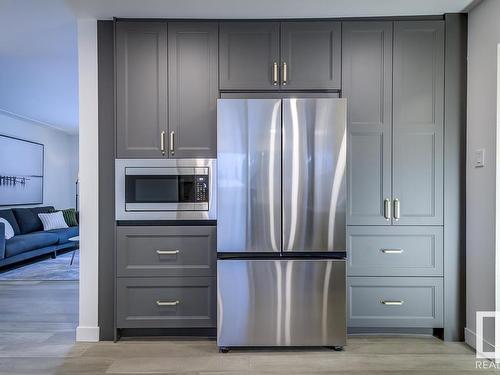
{"points": [[479, 158]]}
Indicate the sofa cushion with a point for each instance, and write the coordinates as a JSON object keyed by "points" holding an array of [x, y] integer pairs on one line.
{"points": [[28, 220], [26, 242], [9, 216], [70, 217], [64, 234]]}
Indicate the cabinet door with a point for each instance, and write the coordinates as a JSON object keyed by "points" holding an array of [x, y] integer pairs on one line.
{"points": [[418, 121], [141, 88], [367, 85], [312, 54], [248, 51], [193, 89]]}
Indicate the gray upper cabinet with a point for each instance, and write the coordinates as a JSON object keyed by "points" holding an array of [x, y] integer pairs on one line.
{"points": [[193, 89], [249, 55], [367, 85], [141, 88], [418, 121], [310, 55]]}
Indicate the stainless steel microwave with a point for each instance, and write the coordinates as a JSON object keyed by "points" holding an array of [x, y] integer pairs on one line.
{"points": [[165, 189]]}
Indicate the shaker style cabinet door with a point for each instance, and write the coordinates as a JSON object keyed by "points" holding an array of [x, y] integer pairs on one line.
{"points": [[249, 55], [193, 89], [310, 55], [141, 89], [367, 85], [418, 122]]}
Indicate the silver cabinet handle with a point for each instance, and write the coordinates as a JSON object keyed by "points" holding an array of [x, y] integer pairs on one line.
{"points": [[162, 142], [167, 303], [391, 251], [285, 74], [172, 146], [387, 209], [275, 73], [397, 209], [392, 303], [167, 252]]}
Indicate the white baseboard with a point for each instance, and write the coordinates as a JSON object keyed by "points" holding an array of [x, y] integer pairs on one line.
{"points": [[89, 334], [470, 339]]}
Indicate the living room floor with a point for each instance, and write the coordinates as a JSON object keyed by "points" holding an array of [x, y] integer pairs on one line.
{"points": [[37, 333]]}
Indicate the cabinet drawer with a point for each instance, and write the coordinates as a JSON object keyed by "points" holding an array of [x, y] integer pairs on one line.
{"points": [[395, 251], [166, 251], [395, 302], [169, 302]]}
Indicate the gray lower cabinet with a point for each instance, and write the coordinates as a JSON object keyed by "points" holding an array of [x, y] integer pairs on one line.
{"points": [[311, 55], [166, 276], [167, 302], [249, 55], [367, 85], [395, 251], [141, 88], [166, 251], [418, 92], [193, 89], [409, 302]]}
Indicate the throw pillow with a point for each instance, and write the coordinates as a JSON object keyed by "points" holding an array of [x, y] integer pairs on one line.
{"points": [[70, 217], [9, 231], [9, 216], [53, 220]]}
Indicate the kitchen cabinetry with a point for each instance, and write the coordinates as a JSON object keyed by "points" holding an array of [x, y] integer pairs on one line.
{"points": [[249, 55], [367, 85], [280, 55], [141, 89], [166, 276], [395, 145], [393, 79], [166, 98], [310, 55], [417, 169], [193, 89]]}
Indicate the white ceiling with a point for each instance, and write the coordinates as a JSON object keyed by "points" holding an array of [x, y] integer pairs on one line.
{"points": [[262, 8], [38, 39]]}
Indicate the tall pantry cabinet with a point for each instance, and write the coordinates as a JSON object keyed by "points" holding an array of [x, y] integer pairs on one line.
{"points": [[393, 78]]}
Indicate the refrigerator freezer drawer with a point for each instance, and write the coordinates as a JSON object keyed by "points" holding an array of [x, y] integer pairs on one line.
{"points": [[281, 303]]}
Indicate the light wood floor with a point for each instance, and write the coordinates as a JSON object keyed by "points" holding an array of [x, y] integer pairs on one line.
{"points": [[38, 319]]}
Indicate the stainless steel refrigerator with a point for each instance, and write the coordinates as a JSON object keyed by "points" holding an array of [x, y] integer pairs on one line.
{"points": [[281, 234]]}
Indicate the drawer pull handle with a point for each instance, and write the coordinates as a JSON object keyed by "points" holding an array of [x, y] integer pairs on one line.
{"points": [[167, 252], [167, 303], [392, 251], [392, 303]]}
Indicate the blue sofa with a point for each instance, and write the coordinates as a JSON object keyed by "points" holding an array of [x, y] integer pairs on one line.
{"points": [[30, 239]]}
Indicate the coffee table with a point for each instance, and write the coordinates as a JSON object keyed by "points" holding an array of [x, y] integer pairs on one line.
{"points": [[74, 239]]}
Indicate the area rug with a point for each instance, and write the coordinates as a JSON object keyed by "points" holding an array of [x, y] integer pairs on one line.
{"points": [[48, 269]]}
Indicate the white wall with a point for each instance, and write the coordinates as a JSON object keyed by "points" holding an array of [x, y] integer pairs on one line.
{"points": [[484, 35], [60, 157], [88, 329]]}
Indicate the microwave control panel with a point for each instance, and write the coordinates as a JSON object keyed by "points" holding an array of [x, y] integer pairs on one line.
{"points": [[201, 188]]}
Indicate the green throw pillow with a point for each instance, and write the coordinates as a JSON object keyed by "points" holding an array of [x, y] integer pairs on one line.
{"points": [[70, 217]]}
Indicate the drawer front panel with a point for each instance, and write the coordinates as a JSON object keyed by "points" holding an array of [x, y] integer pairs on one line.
{"points": [[168, 302], [395, 302], [166, 251], [395, 251]]}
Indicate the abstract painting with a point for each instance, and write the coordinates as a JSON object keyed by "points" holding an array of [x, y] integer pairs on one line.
{"points": [[21, 171]]}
